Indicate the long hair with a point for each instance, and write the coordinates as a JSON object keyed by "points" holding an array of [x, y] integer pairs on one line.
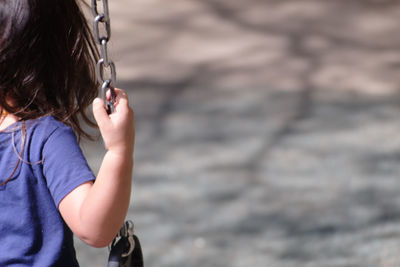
{"points": [[47, 55]]}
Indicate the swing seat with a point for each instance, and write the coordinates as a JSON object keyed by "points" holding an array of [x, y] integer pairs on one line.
{"points": [[126, 250]]}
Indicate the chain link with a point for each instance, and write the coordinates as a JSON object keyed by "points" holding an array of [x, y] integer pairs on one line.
{"points": [[104, 65]]}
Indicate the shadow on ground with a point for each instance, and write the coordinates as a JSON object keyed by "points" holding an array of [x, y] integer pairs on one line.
{"points": [[267, 131]]}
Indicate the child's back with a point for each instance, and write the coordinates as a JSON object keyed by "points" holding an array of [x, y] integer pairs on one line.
{"points": [[32, 232]]}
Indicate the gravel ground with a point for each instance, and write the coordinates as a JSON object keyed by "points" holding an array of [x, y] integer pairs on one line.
{"points": [[267, 131]]}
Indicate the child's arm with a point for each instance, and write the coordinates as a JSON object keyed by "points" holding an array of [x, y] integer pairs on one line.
{"points": [[95, 211]]}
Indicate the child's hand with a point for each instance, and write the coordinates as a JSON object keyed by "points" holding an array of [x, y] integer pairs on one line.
{"points": [[118, 128]]}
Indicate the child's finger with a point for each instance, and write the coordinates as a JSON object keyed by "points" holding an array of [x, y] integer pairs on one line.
{"points": [[99, 112], [121, 99], [108, 94], [118, 93], [121, 95]]}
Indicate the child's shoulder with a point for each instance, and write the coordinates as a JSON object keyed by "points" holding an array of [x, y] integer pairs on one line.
{"points": [[47, 123], [46, 126]]}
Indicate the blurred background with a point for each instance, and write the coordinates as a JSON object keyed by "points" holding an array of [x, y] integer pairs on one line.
{"points": [[267, 131]]}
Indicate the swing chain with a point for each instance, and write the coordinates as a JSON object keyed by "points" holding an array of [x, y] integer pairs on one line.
{"points": [[102, 21]]}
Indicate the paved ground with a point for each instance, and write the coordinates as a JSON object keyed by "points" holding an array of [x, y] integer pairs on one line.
{"points": [[267, 131]]}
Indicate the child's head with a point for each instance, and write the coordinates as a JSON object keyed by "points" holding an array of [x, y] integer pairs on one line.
{"points": [[47, 57]]}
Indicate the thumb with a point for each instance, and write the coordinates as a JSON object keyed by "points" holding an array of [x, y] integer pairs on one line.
{"points": [[99, 112]]}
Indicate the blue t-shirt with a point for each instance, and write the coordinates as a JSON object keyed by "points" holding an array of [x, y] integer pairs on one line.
{"points": [[32, 231]]}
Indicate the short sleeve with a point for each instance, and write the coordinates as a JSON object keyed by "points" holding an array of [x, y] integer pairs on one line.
{"points": [[64, 166]]}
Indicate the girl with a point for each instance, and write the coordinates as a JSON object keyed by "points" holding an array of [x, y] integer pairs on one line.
{"points": [[46, 187]]}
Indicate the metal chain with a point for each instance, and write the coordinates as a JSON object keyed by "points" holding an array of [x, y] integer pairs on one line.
{"points": [[105, 64], [107, 83]]}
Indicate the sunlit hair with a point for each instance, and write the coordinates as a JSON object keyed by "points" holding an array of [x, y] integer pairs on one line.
{"points": [[47, 56]]}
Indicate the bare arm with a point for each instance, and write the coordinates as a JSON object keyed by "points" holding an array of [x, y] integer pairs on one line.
{"points": [[96, 211]]}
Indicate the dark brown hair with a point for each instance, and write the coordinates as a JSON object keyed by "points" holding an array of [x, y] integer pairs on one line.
{"points": [[47, 56]]}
